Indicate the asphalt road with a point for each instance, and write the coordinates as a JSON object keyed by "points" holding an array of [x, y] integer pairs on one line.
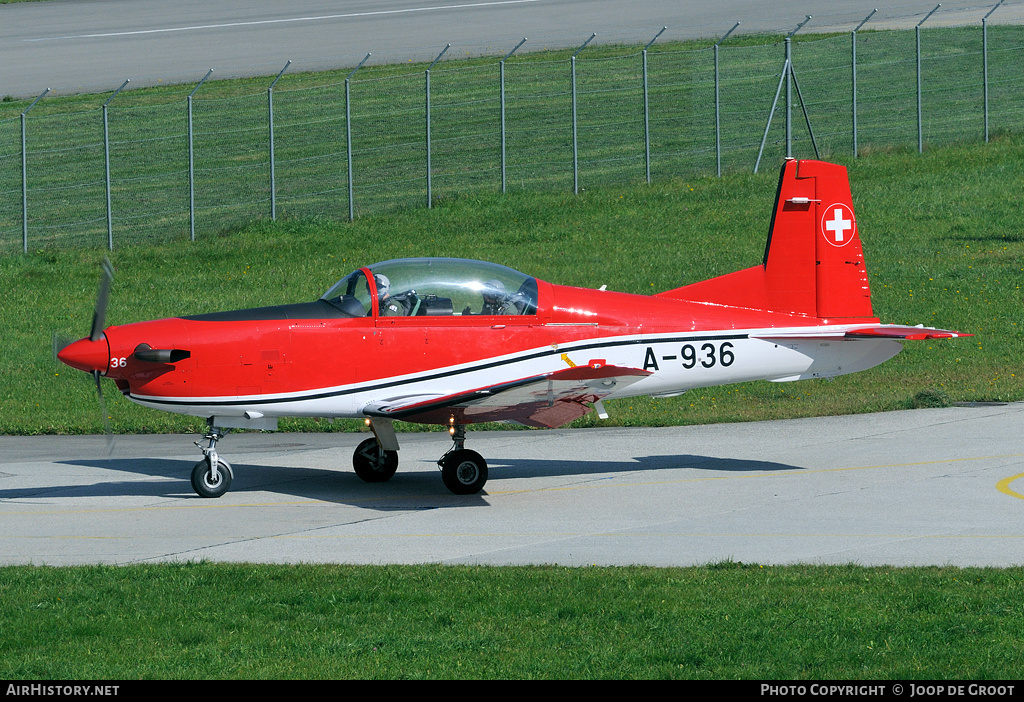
{"points": [[923, 487], [93, 45]]}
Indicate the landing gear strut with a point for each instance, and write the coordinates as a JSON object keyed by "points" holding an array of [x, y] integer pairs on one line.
{"points": [[464, 472], [211, 477]]}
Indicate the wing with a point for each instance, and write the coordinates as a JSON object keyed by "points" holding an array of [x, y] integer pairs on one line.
{"points": [[548, 400], [877, 331]]}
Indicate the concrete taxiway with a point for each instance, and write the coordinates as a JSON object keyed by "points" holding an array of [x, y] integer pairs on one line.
{"points": [[923, 487]]}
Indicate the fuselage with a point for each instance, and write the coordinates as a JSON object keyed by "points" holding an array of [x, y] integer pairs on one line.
{"points": [[309, 360]]}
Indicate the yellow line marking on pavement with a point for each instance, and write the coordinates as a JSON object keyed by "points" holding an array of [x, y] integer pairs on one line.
{"points": [[1003, 486]]}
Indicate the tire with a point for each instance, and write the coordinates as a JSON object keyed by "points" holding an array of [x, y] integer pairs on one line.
{"points": [[464, 472], [204, 486], [373, 464]]}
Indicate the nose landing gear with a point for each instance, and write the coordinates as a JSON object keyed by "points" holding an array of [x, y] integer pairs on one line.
{"points": [[211, 477]]}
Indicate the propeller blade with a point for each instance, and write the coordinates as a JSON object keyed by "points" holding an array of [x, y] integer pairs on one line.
{"points": [[103, 411], [100, 314]]}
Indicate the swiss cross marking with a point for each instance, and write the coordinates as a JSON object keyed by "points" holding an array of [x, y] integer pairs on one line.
{"points": [[837, 224]]}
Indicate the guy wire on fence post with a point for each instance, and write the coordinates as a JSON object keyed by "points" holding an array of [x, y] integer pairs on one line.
{"points": [[920, 121], [647, 111], [348, 136], [270, 118], [501, 91], [106, 165], [191, 164], [575, 144], [853, 77], [429, 178], [718, 107], [24, 175], [771, 113]]}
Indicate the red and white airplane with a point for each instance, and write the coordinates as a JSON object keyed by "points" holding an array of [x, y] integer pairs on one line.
{"points": [[455, 342]]}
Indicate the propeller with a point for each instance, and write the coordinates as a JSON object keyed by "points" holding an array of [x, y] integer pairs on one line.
{"points": [[99, 316], [88, 362], [61, 342]]}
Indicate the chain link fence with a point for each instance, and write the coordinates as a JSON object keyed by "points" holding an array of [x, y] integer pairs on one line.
{"points": [[151, 166]]}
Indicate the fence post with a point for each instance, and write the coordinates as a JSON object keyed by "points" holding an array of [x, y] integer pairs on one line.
{"points": [[647, 113], [920, 120], [501, 91], [789, 87], [106, 165], [430, 198], [270, 118], [191, 164], [718, 107], [348, 137], [575, 144], [789, 99], [24, 175], [984, 54], [853, 63]]}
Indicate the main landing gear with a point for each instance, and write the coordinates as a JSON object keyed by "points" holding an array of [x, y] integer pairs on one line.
{"points": [[464, 472], [372, 463]]}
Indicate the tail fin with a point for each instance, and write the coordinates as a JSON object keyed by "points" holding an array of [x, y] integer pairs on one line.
{"points": [[813, 262]]}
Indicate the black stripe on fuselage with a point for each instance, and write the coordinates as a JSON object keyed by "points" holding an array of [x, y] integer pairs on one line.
{"points": [[320, 309], [444, 374]]}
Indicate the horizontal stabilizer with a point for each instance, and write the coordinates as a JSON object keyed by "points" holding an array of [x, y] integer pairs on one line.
{"points": [[877, 331], [895, 331]]}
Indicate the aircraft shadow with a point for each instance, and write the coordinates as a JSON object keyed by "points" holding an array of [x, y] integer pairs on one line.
{"points": [[414, 488]]}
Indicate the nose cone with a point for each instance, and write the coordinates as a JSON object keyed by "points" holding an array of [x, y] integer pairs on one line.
{"points": [[86, 355]]}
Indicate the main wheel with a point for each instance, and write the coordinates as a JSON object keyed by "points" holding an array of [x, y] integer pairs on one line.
{"points": [[464, 472], [206, 485], [372, 463]]}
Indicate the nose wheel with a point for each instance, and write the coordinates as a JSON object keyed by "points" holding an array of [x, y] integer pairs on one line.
{"points": [[463, 471], [211, 477], [211, 482]]}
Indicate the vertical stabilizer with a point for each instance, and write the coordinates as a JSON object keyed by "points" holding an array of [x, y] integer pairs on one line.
{"points": [[813, 262]]}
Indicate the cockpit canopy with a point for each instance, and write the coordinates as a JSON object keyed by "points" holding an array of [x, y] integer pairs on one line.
{"points": [[416, 287]]}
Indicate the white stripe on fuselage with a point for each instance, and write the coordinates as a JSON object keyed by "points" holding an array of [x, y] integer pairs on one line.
{"points": [[677, 362]]}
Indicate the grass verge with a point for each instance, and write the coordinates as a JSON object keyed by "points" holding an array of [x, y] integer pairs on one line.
{"points": [[722, 621]]}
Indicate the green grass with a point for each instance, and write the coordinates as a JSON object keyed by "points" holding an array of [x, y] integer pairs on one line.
{"points": [[722, 621], [943, 236]]}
